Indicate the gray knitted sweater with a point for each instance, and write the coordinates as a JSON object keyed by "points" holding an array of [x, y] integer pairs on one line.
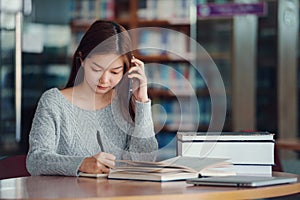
{"points": [[62, 135]]}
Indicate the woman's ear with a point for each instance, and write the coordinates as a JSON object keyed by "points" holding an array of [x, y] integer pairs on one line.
{"points": [[80, 58]]}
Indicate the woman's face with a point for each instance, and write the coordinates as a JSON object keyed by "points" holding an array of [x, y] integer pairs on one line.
{"points": [[103, 72]]}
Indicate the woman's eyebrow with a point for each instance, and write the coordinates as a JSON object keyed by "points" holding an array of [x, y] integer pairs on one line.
{"points": [[97, 64], [118, 67]]}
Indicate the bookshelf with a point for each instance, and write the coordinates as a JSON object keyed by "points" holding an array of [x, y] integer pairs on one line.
{"points": [[261, 95], [278, 49], [267, 47], [165, 71], [49, 66], [252, 87], [215, 36]]}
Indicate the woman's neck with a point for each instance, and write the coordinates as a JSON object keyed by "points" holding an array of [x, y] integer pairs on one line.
{"points": [[86, 98]]}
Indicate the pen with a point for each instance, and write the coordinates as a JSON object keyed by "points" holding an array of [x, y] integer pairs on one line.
{"points": [[100, 141]]}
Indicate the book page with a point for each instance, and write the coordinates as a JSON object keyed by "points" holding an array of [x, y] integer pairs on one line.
{"points": [[196, 164], [185, 163], [150, 169]]}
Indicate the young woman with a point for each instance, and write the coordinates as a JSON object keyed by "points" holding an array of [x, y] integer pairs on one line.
{"points": [[102, 115]]}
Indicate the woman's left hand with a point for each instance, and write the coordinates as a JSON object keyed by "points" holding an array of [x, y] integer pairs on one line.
{"points": [[139, 86]]}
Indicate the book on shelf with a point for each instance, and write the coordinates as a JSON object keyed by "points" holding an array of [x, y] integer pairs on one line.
{"points": [[249, 152], [170, 10], [150, 39], [177, 168], [92, 9]]}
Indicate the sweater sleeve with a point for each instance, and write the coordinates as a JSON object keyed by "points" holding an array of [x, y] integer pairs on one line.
{"points": [[42, 157], [142, 144]]}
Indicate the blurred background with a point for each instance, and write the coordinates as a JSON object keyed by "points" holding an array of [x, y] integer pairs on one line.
{"points": [[254, 44]]}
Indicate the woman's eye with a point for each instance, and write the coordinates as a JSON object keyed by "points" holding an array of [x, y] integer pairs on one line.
{"points": [[96, 70]]}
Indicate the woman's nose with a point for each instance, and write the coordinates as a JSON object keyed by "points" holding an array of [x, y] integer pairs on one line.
{"points": [[104, 78]]}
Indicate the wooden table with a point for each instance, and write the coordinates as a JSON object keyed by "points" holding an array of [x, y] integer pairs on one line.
{"points": [[59, 187]]}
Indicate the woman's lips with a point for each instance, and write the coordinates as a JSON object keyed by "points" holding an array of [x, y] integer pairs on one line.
{"points": [[101, 87]]}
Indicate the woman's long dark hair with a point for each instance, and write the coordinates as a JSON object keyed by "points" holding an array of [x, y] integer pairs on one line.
{"points": [[105, 37]]}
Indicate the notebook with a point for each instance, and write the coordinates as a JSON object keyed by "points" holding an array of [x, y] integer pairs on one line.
{"points": [[242, 181]]}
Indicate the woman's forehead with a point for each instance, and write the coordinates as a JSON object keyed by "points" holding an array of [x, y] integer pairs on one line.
{"points": [[107, 60]]}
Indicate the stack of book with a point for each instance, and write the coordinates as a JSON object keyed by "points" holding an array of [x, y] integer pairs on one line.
{"points": [[251, 153]]}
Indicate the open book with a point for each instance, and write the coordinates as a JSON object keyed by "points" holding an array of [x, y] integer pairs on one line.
{"points": [[177, 168]]}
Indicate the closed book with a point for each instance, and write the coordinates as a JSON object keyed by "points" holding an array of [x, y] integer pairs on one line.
{"points": [[177, 168], [225, 136], [253, 169], [241, 148]]}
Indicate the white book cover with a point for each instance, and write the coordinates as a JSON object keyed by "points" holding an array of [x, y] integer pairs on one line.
{"points": [[240, 147], [220, 136], [237, 152], [253, 169]]}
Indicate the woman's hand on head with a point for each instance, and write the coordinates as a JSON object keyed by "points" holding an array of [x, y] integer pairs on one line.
{"points": [[139, 86], [98, 164]]}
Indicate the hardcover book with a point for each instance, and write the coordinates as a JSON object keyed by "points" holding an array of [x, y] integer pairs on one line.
{"points": [[250, 152]]}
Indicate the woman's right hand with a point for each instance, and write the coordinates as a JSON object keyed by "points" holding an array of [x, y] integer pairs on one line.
{"points": [[98, 164]]}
